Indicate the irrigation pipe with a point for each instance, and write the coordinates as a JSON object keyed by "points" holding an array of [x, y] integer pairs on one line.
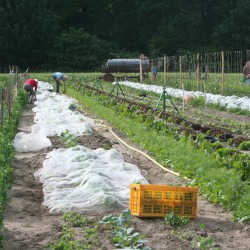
{"points": [[137, 150]]}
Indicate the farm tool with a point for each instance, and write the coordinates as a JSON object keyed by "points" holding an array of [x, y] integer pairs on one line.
{"points": [[164, 96]]}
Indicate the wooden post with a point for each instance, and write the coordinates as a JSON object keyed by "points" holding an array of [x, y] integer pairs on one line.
{"points": [[206, 73], [222, 72], [180, 73], [165, 69], [181, 83], [152, 67], [1, 106], [141, 71], [197, 72]]}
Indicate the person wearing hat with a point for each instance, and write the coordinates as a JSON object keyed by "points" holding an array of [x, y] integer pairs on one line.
{"points": [[57, 76], [31, 87]]}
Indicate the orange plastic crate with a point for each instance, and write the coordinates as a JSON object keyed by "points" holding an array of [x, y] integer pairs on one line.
{"points": [[147, 200]]}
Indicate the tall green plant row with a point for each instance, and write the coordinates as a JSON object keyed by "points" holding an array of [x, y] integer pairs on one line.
{"points": [[7, 134], [217, 183]]}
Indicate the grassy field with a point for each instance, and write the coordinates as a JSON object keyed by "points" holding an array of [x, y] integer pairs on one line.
{"points": [[211, 83]]}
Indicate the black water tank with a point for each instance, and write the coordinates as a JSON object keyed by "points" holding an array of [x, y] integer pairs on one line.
{"points": [[126, 65]]}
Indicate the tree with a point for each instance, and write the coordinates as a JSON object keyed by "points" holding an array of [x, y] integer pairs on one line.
{"points": [[232, 32], [77, 50], [26, 31]]}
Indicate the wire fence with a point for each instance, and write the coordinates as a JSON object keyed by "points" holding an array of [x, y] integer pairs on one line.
{"points": [[217, 72]]}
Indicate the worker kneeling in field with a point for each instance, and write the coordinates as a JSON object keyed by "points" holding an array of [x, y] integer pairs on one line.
{"points": [[31, 87], [57, 76]]}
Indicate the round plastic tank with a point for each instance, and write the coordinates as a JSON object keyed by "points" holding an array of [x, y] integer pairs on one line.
{"points": [[126, 65]]}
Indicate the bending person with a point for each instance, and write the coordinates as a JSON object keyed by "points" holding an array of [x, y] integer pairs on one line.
{"points": [[31, 87], [58, 76]]}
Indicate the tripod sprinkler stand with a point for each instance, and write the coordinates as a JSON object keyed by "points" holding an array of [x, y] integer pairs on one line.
{"points": [[117, 86], [97, 84], [165, 96]]}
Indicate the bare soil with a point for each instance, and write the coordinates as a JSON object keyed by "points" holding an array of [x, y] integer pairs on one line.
{"points": [[30, 226]]}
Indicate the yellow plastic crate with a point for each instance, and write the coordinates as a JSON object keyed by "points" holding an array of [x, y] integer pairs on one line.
{"points": [[147, 200]]}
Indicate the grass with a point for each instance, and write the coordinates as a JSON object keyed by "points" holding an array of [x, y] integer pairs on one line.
{"points": [[225, 187]]}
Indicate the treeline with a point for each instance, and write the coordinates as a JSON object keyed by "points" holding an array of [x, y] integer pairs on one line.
{"points": [[78, 35]]}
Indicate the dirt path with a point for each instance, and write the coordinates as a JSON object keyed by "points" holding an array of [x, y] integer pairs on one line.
{"points": [[29, 225]]}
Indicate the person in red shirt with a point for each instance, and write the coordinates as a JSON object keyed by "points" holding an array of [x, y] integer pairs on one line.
{"points": [[31, 87]]}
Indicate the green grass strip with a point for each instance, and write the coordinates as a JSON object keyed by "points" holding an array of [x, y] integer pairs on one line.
{"points": [[218, 184]]}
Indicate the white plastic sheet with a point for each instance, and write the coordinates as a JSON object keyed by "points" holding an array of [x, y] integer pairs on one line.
{"points": [[81, 179], [54, 115], [24, 142], [77, 178], [225, 101]]}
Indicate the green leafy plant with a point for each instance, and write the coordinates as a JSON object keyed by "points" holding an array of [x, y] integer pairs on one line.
{"points": [[69, 139], [69, 240], [198, 159], [245, 145], [117, 220], [7, 133], [73, 107], [75, 220], [204, 243], [124, 236], [127, 237], [197, 101], [78, 232], [175, 221]]}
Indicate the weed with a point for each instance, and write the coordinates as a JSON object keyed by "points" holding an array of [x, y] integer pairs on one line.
{"points": [[67, 241], [124, 236], [73, 107], [175, 221], [245, 145], [198, 101], [75, 220], [69, 139], [204, 243], [70, 239]]}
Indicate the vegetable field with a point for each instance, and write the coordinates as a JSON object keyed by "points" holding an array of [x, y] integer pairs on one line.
{"points": [[206, 144]]}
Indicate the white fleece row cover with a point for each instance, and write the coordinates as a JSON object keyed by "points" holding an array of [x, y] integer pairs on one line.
{"points": [[53, 116], [80, 179], [230, 102], [77, 178]]}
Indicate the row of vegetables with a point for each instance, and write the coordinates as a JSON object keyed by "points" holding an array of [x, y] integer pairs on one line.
{"points": [[221, 170], [7, 133]]}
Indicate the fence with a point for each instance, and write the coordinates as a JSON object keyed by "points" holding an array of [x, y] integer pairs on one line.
{"points": [[8, 89], [217, 72]]}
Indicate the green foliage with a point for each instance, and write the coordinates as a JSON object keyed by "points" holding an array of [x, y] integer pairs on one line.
{"points": [[242, 213], [84, 51], [124, 236], [73, 107], [245, 145], [78, 232], [7, 133], [28, 31], [203, 243], [197, 101], [127, 237], [171, 29], [175, 221], [75, 220], [69, 139], [117, 220], [195, 159], [68, 241]]}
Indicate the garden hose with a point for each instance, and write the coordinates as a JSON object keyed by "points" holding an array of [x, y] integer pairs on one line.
{"points": [[137, 150]]}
